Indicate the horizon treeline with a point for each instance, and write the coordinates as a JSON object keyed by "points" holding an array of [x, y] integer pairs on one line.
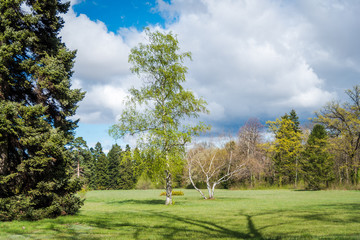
{"points": [[322, 155]]}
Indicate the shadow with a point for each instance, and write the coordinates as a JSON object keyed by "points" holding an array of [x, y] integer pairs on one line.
{"points": [[252, 229], [172, 230], [135, 201], [352, 209]]}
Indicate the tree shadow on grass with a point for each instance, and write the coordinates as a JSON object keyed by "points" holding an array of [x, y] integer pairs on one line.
{"points": [[173, 226], [136, 201], [351, 210]]}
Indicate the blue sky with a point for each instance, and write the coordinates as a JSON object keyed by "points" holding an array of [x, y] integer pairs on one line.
{"points": [[255, 58], [121, 13]]}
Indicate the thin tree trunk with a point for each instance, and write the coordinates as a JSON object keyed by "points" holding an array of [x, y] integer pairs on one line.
{"points": [[296, 172], [78, 168], [192, 182], [168, 188]]}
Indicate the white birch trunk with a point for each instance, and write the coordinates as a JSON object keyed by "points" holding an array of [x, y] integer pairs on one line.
{"points": [[192, 182], [168, 189]]}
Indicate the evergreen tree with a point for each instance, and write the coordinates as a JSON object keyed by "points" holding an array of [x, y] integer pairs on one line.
{"points": [[127, 177], [82, 160], [114, 158], [295, 119], [317, 162], [286, 149], [101, 167], [36, 101]]}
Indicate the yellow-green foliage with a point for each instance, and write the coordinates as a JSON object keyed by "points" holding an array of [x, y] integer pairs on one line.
{"points": [[174, 193]]}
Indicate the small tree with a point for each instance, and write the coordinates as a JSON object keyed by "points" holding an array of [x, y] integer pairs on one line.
{"points": [[285, 149], [156, 111], [213, 165], [317, 162], [101, 168], [249, 140]]}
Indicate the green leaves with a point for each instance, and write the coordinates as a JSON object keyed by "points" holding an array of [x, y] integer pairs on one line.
{"points": [[157, 111]]}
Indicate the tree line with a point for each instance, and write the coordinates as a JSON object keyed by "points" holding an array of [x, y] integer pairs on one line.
{"points": [[118, 169], [323, 154]]}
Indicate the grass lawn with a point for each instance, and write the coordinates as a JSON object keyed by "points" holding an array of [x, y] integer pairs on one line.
{"points": [[253, 214]]}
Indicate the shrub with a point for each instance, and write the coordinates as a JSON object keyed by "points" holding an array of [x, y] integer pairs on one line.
{"points": [[174, 193]]}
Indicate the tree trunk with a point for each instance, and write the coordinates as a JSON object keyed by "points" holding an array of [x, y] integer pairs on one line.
{"points": [[296, 173], [192, 182], [78, 168], [212, 191], [168, 188]]}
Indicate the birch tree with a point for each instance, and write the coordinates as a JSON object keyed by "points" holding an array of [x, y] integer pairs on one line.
{"points": [[157, 111], [213, 165]]}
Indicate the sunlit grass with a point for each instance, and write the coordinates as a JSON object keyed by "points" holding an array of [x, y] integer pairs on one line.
{"points": [[257, 214]]}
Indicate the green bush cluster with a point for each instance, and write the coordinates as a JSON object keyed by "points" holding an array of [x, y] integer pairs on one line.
{"points": [[174, 193]]}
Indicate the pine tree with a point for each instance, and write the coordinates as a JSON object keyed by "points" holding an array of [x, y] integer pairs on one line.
{"points": [[114, 157], [101, 168], [36, 101], [82, 160], [317, 162]]}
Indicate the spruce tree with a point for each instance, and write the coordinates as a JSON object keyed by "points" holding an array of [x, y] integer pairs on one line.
{"points": [[101, 168], [114, 158], [317, 162], [36, 101]]}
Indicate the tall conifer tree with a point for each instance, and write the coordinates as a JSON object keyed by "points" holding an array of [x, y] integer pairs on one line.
{"points": [[317, 162], [101, 167], [36, 101], [114, 158]]}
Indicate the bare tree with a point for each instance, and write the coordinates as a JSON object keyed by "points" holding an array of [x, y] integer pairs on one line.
{"points": [[249, 140], [213, 165]]}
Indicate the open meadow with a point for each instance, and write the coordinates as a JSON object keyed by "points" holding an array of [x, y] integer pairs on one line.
{"points": [[250, 214]]}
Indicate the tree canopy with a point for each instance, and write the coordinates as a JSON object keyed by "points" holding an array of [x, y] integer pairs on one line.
{"points": [[158, 110]]}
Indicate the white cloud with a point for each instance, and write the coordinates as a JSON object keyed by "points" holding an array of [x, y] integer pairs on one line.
{"points": [[101, 55], [250, 57]]}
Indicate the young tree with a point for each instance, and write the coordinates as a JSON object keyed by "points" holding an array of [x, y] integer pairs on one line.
{"points": [[317, 163], [158, 109], [249, 140], [213, 165], [36, 101], [285, 149]]}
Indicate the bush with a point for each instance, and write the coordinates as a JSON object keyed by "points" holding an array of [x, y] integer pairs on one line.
{"points": [[174, 193], [23, 207]]}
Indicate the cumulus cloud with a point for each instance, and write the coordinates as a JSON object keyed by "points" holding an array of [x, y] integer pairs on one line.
{"points": [[250, 58], [101, 54]]}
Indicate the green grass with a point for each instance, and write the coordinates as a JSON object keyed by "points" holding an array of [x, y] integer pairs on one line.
{"points": [[252, 214]]}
